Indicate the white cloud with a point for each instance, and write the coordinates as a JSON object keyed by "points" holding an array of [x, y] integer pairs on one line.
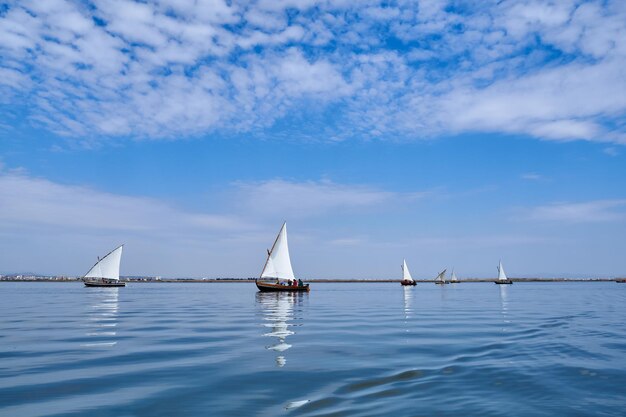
{"points": [[29, 202], [301, 199], [532, 176], [57, 228], [590, 211], [52, 227], [299, 76], [175, 68], [558, 103], [381, 13], [348, 241], [35, 202], [49, 227]]}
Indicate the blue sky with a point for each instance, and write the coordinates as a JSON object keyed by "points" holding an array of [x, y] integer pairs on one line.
{"points": [[446, 133]]}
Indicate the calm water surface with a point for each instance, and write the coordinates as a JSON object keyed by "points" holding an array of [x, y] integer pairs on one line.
{"points": [[342, 350]]}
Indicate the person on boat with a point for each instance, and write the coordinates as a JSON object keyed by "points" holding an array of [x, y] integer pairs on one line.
{"points": [[300, 283]]}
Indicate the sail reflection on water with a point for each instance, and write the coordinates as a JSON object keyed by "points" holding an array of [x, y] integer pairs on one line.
{"points": [[102, 317], [504, 305], [408, 301], [278, 313]]}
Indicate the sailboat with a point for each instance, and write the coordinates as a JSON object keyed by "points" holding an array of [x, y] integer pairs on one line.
{"points": [[106, 272], [407, 279], [278, 267], [441, 278], [453, 278], [502, 278]]}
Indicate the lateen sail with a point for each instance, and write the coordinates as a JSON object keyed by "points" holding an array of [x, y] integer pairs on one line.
{"points": [[442, 276], [278, 263], [454, 278], [406, 274], [501, 274], [107, 267]]}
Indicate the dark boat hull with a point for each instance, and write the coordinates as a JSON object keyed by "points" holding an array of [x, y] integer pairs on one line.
{"points": [[408, 283], [104, 284], [267, 287], [440, 283], [621, 281], [504, 281]]}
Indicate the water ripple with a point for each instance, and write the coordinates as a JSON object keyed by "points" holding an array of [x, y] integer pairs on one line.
{"points": [[341, 350]]}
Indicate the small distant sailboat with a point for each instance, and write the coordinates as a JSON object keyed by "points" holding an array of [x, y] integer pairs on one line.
{"points": [[441, 278], [453, 278], [106, 272], [407, 279], [278, 267], [502, 278]]}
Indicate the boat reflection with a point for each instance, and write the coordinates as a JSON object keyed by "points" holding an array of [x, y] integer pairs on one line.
{"points": [[278, 312], [444, 292], [102, 316], [408, 301], [504, 305], [504, 299]]}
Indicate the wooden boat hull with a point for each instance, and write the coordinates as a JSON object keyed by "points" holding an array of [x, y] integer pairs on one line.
{"points": [[104, 284], [408, 283], [503, 281], [268, 287]]}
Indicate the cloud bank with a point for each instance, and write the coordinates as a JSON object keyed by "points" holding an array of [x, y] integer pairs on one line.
{"points": [[582, 212], [403, 70], [55, 226], [59, 228]]}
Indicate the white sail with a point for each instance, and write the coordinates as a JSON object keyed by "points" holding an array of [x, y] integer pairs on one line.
{"points": [[278, 263], [406, 274], [107, 267], [442, 276], [501, 274], [454, 278]]}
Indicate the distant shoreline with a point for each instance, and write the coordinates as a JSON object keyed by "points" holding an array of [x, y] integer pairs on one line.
{"points": [[319, 281]]}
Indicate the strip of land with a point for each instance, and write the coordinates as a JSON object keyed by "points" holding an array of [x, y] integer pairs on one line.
{"points": [[8, 278]]}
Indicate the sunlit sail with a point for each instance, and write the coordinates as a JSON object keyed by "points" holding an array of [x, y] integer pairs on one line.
{"points": [[278, 268], [441, 278], [453, 277], [502, 278], [407, 279], [106, 272]]}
